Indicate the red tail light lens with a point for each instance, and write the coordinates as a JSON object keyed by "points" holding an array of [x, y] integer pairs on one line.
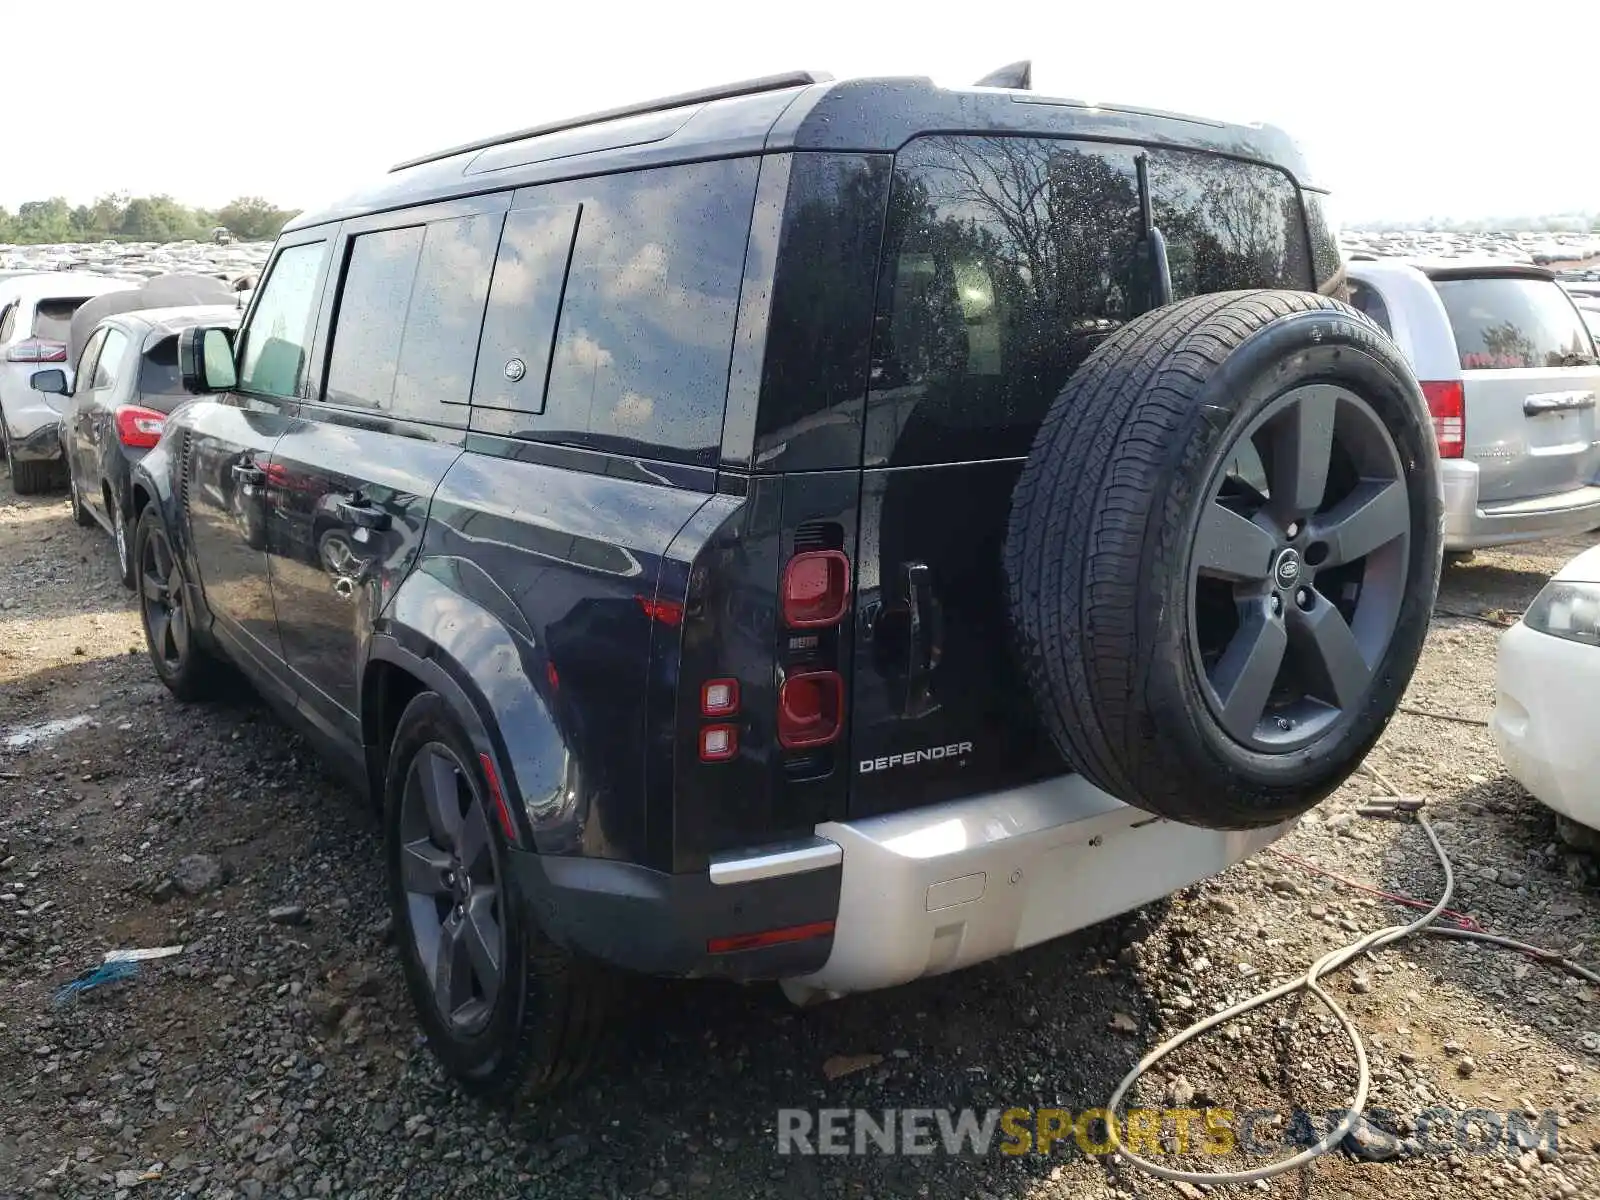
{"points": [[139, 428], [1447, 403], [719, 698], [37, 350], [769, 937], [667, 612], [718, 743], [810, 709], [816, 589]]}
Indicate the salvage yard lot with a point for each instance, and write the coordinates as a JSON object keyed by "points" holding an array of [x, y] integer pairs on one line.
{"points": [[279, 1057]]}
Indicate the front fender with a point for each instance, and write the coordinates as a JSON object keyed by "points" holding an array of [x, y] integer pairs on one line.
{"points": [[451, 627]]}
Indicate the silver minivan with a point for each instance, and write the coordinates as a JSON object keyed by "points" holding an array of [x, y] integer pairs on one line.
{"points": [[1509, 370]]}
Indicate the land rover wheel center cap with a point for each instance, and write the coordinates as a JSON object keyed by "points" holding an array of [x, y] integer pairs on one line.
{"points": [[1286, 571]]}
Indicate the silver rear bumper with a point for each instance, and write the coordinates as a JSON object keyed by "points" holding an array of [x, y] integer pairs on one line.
{"points": [[934, 889], [1469, 525]]}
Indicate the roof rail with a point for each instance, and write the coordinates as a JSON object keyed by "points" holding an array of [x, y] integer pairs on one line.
{"points": [[748, 87]]}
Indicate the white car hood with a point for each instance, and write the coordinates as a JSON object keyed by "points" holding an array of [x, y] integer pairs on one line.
{"points": [[1583, 569]]}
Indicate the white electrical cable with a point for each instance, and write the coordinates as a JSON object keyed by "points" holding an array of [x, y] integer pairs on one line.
{"points": [[1329, 962]]}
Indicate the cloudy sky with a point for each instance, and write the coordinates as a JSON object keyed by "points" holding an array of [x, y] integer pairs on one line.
{"points": [[1408, 108]]}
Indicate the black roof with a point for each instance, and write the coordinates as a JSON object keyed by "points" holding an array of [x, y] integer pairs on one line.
{"points": [[788, 113]]}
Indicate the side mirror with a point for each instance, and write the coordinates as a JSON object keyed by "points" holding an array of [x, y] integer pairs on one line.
{"points": [[53, 381], [205, 359]]}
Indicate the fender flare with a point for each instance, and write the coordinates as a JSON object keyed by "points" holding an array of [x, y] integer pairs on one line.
{"points": [[478, 656]]}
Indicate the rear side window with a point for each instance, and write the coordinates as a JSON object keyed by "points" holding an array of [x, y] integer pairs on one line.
{"points": [[1505, 323], [410, 309], [1227, 224], [8, 324], [639, 364], [52, 318], [272, 359], [1364, 298]]}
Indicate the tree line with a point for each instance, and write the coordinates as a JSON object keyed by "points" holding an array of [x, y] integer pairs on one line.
{"points": [[138, 219]]}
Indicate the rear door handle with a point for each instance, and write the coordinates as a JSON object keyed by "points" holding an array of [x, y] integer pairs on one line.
{"points": [[245, 473], [362, 514], [1557, 402]]}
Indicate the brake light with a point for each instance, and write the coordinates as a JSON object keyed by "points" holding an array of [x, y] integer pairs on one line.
{"points": [[668, 612], [1447, 404], [37, 350], [816, 589], [810, 709], [139, 428]]}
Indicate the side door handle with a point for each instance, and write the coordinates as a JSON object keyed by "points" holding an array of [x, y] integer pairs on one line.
{"points": [[362, 514], [247, 474]]}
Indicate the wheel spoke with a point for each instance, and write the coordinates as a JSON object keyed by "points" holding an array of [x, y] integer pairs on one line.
{"points": [[154, 588], [422, 868], [451, 969], [474, 847], [1230, 546], [1371, 517], [1244, 676], [178, 630], [158, 630], [481, 933], [441, 794], [1326, 646], [1301, 449]]}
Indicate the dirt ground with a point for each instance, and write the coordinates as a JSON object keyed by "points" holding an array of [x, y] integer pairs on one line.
{"points": [[281, 1059]]}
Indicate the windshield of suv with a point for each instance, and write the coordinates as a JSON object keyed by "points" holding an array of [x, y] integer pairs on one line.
{"points": [[1504, 323]]}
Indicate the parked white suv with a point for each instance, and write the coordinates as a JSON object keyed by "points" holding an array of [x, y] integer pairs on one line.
{"points": [[1509, 369], [35, 314]]}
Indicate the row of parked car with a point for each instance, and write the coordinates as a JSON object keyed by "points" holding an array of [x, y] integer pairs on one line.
{"points": [[691, 524]]}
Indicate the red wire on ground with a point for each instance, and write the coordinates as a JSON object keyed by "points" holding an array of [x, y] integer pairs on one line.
{"points": [[1460, 918]]}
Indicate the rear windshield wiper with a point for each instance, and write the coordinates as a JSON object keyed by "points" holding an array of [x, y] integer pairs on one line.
{"points": [[1155, 243]]}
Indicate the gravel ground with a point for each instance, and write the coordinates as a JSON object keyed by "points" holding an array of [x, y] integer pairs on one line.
{"points": [[278, 1057]]}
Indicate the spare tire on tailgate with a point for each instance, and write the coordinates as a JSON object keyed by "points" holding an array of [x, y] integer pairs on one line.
{"points": [[1223, 552]]}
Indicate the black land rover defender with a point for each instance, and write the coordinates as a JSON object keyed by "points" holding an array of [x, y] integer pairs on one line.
{"points": [[806, 531]]}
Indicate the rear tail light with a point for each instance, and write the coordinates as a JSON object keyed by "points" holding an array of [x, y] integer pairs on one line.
{"points": [[1447, 404], [810, 709], [667, 612], [718, 743], [139, 428], [816, 589], [37, 350]]}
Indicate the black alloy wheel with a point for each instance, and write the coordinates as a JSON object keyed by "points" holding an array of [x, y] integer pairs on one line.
{"points": [[1299, 568]]}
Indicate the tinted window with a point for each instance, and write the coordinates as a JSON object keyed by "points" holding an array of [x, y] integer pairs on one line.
{"points": [[372, 316], [160, 381], [87, 362], [273, 358], [1322, 225], [1227, 224], [1006, 261], [1508, 323], [1366, 299], [444, 317], [109, 367], [52, 318], [640, 361], [8, 324], [524, 302]]}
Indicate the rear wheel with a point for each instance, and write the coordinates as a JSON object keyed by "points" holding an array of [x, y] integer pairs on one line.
{"points": [[181, 660], [122, 543], [1223, 554], [507, 1012], [80, 511]]}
